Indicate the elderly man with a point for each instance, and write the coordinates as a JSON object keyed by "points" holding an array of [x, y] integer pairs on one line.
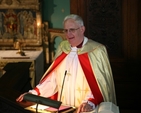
{"points": [[80, 75]]}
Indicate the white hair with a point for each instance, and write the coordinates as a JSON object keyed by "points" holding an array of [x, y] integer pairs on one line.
{"points": [[76, 18]]}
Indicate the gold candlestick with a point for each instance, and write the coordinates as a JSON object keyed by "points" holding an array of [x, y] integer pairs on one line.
{"points": [[18, 45]]}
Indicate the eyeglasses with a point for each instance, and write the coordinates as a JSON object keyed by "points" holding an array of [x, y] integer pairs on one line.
{"points": [[71, 30]]}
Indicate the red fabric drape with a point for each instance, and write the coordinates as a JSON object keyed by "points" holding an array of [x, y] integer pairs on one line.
{"points": [[56, 62], [86, 66]]}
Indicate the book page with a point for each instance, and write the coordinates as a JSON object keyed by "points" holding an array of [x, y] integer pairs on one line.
{"points": [[108, 107], [105, 107]]}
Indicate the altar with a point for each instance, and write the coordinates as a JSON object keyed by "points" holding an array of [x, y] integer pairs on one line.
{"points": [[36, 57]]}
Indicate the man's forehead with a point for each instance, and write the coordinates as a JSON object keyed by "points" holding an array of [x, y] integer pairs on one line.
{"points": [[70, 24]]}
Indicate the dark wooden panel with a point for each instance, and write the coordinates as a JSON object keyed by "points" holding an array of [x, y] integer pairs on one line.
{"points": [[80, 7], [104, 24], [130, 29]]}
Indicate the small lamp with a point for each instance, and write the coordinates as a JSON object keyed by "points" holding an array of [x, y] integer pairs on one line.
{"points": [[42, 100]]}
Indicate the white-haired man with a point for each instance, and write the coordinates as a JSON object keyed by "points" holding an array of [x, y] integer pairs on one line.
{"points": [[88, 77]]}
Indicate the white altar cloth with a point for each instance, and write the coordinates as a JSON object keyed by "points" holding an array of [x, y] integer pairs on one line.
{"points": [[36, 57]]}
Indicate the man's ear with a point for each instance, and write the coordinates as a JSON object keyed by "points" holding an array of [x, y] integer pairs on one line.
{"points": [[83, 29]]}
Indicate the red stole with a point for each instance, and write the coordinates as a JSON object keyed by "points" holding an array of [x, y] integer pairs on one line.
{"points": [[86, 66], [87, 69], [56, 63]]}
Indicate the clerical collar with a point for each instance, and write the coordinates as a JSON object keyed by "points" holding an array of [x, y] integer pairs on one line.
{"points": [[80, 45]]}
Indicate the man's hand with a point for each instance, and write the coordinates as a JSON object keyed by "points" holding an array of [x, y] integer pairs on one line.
{"points": [[20, 98], [85, 107]]}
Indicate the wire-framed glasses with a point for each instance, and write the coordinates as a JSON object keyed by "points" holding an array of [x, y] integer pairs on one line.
{"points": [[71, 30]]}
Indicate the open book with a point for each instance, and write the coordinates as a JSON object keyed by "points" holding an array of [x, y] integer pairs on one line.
{"points": [[105, 107]]}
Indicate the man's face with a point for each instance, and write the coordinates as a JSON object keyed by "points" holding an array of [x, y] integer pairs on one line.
{"points": [[74, 32]]}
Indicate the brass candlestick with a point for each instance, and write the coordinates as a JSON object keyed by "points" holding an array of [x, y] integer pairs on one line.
{"points": [[18, 45]]}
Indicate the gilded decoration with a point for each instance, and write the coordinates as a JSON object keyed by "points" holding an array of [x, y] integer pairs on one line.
{"points": [[20, 20]]}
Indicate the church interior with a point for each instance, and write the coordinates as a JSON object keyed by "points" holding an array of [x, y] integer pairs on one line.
{"points": [[29, 37]]}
